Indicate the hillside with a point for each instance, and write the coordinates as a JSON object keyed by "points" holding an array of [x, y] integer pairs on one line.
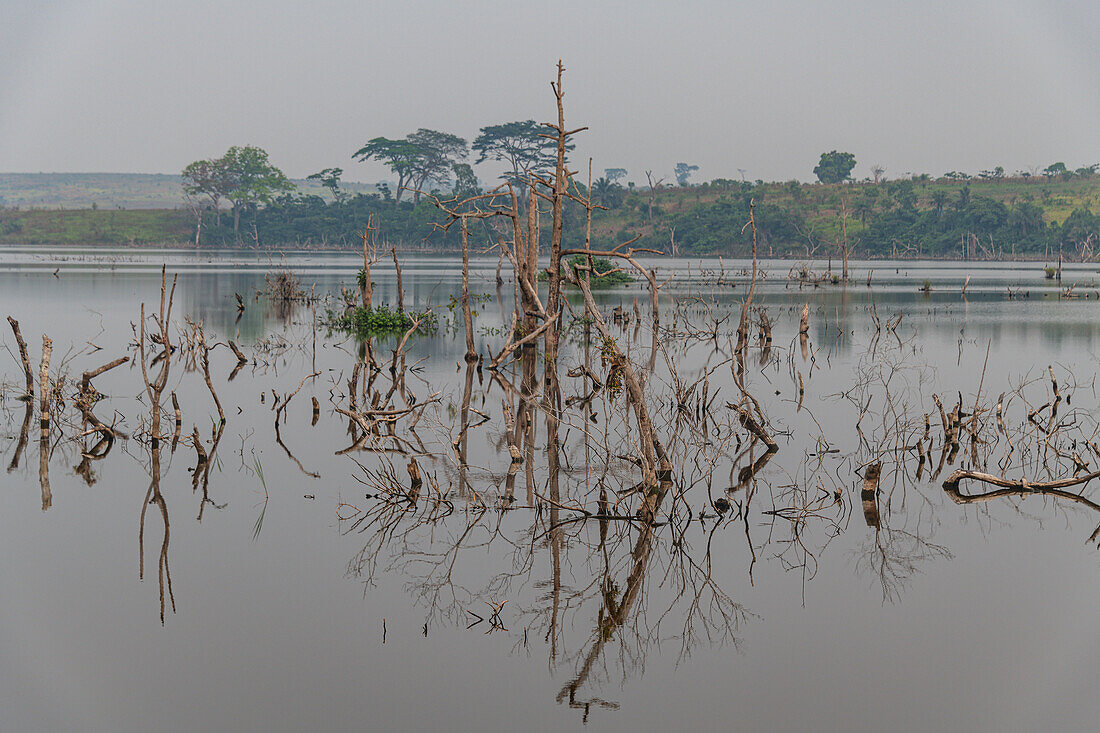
{"points": [[114, 190], [105, 226], [920, 216]]}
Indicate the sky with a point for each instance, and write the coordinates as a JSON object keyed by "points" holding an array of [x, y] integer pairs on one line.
{"points": [[754, 90]]}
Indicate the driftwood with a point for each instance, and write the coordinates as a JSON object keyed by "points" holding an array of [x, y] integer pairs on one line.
{"points": [[1022, 488]]}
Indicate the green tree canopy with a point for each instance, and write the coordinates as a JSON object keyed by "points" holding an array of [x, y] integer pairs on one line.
{"points": [[521, 146], [1081, 226], [244, 176], [400, 156], [834, 167], [465, 181], [424, 157], [614, 174], [438, 153], [330, 179], [938, 200], [1055, 169], [683, 173], [251, 179], [606, 192], [205, 178]]}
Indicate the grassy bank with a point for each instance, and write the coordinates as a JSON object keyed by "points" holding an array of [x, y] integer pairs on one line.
{"points": [[87, 226], [115, 190]]}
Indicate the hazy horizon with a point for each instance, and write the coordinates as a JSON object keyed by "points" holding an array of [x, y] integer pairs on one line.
{"points": [[737, 90]]}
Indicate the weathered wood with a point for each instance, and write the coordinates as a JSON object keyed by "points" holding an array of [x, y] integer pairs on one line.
{"points": [[23, 355], [44, 385], [869, 494], [241, 358], [467, 317]]}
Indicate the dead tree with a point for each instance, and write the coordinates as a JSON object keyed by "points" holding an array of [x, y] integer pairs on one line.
{"points": [[370, 257], [746, 305], [44, 423], [23, 357], [523, 254], [1021, 488], [559, 191], [655, 462], [400, 287], [653, 186], [467, 317], [842, 245]]}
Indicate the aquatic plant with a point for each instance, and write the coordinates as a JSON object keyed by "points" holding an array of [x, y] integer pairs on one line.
{"points": [[366, 321], [605, 274]]}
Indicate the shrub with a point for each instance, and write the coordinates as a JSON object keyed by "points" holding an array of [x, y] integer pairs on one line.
{"points": [[379, 319], [601, 266], [283, 286]]}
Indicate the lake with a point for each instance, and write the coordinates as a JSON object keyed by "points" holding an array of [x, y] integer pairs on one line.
{"points": [[283, 570]]}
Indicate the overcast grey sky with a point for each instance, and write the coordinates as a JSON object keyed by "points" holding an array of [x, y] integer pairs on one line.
{"points": [[925, 86]]}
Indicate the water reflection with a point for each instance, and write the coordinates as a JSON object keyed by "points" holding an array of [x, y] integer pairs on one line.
{"points": [[671, 483]]}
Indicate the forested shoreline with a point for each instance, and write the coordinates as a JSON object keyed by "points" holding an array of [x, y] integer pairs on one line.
{"points": [[918, 217]]}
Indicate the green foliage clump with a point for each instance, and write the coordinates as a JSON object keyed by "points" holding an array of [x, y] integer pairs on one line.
{"points": [[834, 167], [603, 277], [369, 321]]}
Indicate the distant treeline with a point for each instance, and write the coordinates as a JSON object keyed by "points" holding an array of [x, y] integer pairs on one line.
{"points": [[905, 218], [919, 217]]}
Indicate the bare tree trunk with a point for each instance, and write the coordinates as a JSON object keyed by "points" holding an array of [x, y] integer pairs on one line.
{"points": [[844, 249], [23, 355], [370, 256], [44, 423], [467, 318], [400, 288], [526, 423], [44, 385], [743, 324], [653, 186], [554, 278], [366, 293], [530, 262]]}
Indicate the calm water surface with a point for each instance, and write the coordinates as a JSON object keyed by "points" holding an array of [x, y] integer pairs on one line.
{"points": [[306, 600]]}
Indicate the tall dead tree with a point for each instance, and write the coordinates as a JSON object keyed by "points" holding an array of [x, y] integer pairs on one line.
{"points": [[559, 191]]}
